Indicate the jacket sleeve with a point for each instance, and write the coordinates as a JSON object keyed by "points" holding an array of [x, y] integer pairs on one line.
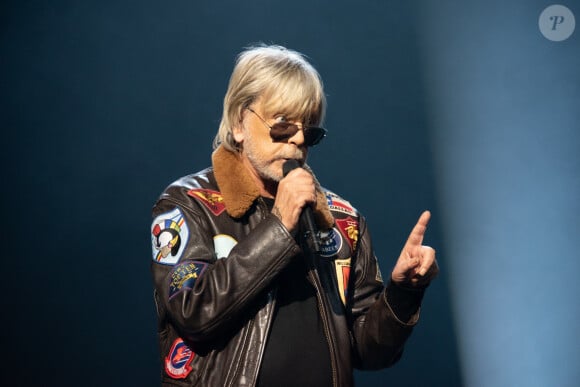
{"points": [[203, 296], [378, 332]]}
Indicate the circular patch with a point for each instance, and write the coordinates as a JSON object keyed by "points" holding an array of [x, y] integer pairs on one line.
{"points": [[169, 234], [330, 243]]}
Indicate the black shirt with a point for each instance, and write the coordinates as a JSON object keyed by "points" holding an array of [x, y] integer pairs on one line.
{"points": [[297, 352]]}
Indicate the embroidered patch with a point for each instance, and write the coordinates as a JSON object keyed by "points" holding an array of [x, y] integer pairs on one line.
{"points": [[342, 267], [169, 234], [336, 203], [349, 228], [184, 275], [223, 244], [330, 243], [212, 199], [178, 361]]}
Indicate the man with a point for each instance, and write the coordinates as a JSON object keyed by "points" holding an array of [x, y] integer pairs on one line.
{"points": [[249, 294]]}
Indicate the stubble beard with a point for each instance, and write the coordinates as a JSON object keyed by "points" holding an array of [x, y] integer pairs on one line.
{"points": [[266, 168]]}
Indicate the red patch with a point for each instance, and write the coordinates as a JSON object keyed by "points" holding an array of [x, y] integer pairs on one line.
{"points": [[178, 361], [212, 199], [349, 229]]}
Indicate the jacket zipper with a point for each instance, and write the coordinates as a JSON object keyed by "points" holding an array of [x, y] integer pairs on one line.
{"points": [[271, 301], [324, 313], [271, 304], [242, 352]]}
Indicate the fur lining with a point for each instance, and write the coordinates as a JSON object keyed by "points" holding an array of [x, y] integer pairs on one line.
{"points": [[239, 190], [234, 182]]}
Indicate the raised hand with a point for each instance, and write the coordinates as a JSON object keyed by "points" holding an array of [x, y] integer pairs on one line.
{"points": [[416, 265]]}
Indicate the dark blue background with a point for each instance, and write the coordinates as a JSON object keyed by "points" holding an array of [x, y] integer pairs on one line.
{"points": [[104, 103]]}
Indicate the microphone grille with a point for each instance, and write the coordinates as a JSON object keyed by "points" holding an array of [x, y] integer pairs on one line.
{"points": [[289, 165]]}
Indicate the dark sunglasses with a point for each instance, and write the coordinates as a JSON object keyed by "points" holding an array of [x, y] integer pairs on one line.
{"points": [[282, 131]]}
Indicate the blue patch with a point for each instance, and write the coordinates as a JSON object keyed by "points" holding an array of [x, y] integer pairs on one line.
{"points": [[330, 243], [184, 275]]}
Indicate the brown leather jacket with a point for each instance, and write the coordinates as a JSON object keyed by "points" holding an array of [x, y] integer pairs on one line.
{"points": [[217, 250]]}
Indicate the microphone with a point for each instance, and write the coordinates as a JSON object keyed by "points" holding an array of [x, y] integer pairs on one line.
{"points": [[306, 217]]}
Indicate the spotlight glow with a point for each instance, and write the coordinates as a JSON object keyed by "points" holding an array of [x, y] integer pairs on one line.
{"points": [[504, 113]]}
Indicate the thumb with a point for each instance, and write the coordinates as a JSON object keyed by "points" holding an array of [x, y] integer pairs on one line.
{"points": [[404, 265]]}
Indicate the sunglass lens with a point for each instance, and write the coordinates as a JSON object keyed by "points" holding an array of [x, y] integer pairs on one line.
{"points": [[313, 135], [282, 131]]}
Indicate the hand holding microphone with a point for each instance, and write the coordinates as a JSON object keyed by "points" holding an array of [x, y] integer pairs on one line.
{"points": [[296, 193]]}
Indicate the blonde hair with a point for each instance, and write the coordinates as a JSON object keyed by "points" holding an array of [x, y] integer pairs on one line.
{"points": [[285, 80]]}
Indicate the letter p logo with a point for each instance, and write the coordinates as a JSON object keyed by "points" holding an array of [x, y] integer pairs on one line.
{"points": [[557, 20], [557, 23]]}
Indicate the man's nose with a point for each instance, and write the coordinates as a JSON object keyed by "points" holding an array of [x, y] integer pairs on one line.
{"points": [[298, 137]]}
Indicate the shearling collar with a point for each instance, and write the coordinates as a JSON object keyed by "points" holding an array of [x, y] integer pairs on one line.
{"points": [[239, 190]]}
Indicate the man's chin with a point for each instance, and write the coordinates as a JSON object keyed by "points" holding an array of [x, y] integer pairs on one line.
{"points": [[272, 174]]}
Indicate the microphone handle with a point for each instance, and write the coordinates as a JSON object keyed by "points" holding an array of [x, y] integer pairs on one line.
{"points": [[306, 216], [307, 219]]}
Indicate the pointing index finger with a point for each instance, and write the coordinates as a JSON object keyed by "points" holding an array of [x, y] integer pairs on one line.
{"points": [[418, 232]]}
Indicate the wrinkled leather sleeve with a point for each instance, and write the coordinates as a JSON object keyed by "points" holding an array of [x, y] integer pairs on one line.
{"points": [[227, 286], [378, 335]]}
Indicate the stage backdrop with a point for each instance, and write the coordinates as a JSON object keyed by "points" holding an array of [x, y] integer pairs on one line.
{"points": [[469, 109]]}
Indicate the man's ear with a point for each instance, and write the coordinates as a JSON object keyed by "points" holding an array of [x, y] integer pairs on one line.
{"points": [[238, 133], [238, 129]]}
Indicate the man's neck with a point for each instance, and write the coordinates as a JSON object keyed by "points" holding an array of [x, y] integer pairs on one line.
{"points": [[269, 188]]}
